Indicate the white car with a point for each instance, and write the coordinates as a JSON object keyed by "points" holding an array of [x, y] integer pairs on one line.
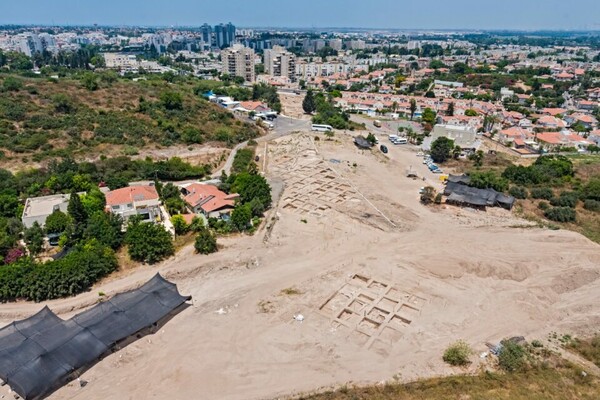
{"points": [[420, 154]]}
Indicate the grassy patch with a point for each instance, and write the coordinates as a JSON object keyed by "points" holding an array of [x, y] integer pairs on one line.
{"points": [[291, 292], [560, 382], [588, 348]]}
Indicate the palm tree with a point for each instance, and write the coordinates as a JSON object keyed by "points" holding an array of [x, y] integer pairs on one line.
{"points": [[413, 108]]}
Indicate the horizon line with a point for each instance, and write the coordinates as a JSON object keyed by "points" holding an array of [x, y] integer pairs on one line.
{"points": [[303, 28]]}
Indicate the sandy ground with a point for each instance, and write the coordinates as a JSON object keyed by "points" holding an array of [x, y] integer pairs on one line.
{"points": [[384, 285]]}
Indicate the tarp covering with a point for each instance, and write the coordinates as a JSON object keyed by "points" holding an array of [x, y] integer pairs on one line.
{"points": [[461, 194], [464, 179], [40, 354]]}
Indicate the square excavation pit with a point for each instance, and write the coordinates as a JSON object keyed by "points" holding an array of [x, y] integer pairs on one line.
{"points": [[349, 290], [416, 301], [349, 318], [399, 322], [367, 298], [378, 286], [361, 280], [390, 335], [335, 303], [357, 305], [388, 304], [394, 293], [408, 312], [368, 326], [378, 315]]}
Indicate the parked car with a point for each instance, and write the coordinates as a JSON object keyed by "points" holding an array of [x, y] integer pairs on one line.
{"points": [[420, 154], [383, 149]]}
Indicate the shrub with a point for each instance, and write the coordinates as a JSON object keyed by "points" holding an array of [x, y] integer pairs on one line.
{"points": [[206, 242], [488, 180], [511, 357], [543, 205], [428, 195], [457, 354], [70, 275], [565, 199], [438, 199], [181, 227], [542, 193], [148, 242], [592, 205], [561, 214], [518, 192]]}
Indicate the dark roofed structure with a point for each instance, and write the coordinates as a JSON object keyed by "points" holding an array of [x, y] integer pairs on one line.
{"points": [[461, 194], [463, 179], [362, 143], [44, 352]]}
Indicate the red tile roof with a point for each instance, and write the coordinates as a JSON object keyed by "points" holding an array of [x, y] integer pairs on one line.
{"points": [[209, 197], [130, 194]]}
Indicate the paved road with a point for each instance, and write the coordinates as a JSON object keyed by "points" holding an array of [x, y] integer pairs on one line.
{"points": [[387, 127], [283, 126]]}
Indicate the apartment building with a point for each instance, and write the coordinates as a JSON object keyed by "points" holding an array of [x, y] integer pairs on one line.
{"points": [[239, 61], [280, 62]]}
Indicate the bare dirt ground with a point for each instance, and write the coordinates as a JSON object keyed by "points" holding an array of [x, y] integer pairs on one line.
{"points": [[291, 105], [384, 285]]}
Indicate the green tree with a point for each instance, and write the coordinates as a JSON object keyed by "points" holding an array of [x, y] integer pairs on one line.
{"points": [[148, 242], [89, 81], [181, 227], [94, 200], [371, 138], [106, 228], [250, 186], [78, 214], [456, 151], [428, 116], [441, 149], [34, 237], [206, 242], [450, 110], [477, 158], [241, 217], [470, 112], [413, 108], [57, 222], [171, 100], [308, 104]]}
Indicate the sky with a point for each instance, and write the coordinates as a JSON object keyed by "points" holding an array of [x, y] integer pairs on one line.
{"points": [[396, 14]]}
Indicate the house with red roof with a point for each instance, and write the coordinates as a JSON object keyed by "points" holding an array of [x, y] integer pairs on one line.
{"points": [[208, 200], [550, 122], [140, 200]]}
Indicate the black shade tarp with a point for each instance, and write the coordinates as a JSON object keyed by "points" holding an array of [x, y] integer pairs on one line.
{"points": [[466, 195], [40, 354]]}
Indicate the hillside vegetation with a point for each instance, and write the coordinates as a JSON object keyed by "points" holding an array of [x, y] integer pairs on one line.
{"points": [[100, 113], [544, 376]]}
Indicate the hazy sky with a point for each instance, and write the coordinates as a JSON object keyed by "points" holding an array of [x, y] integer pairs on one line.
{"points": [[400, 14]]}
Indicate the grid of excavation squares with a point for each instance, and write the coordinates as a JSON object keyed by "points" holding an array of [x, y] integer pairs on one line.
{"points": [[314, 188], [375, 312]]}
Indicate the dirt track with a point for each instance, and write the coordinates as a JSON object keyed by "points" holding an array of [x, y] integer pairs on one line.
{"points": [[430, 277]]}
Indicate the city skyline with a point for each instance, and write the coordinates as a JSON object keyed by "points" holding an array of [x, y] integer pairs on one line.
{"points": [[376, 14]]}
